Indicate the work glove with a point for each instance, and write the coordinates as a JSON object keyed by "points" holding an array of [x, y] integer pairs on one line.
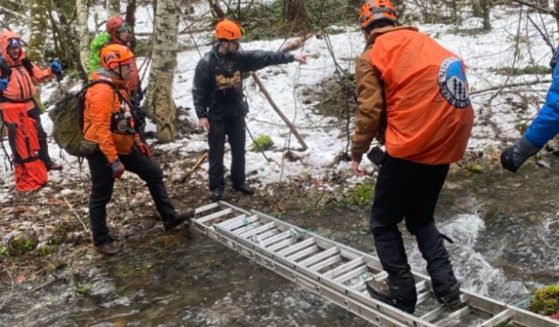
{"points": [[117, 168], [376, 156], [56, 67], [3, 84], [144, 149], [514, 156]]}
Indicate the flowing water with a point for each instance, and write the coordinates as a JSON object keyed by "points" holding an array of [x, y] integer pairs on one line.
{"points": [[504, 226]]}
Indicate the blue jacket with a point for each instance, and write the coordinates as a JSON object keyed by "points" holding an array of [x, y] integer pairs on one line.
{"points": [[546, 124]]}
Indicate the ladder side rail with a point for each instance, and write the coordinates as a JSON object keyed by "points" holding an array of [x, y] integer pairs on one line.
{"points": [[500, 318], [494, 307]]}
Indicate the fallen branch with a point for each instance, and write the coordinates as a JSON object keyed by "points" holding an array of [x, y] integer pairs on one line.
{"points": [[496, 88], [76, 214], [278, 111], [11, 290], [194, 168]]}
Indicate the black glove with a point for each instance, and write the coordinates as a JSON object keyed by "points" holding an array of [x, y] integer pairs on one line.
{"points": [[376, 156], [514, 156]]}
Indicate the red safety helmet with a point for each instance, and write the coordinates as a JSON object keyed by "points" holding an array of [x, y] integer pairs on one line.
{"points": [[375, 10], [228, 30], [114, 55]]}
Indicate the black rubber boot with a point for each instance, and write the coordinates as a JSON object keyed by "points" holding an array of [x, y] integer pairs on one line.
{"points": [[445, 285]]}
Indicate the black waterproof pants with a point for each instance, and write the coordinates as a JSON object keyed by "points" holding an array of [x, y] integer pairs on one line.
{"points": [[35, 114], [409, 190], [234, 128], [102, 183]]}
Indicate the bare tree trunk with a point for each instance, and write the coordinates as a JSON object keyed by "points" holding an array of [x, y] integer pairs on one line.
{"points": [[113, 8], [83, 32], [38, 22], [295, 11], [159, 99], [486, 9]]}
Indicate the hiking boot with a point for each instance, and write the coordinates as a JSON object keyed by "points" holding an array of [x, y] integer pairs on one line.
{"points": [[451, 301], [109, 248], [179, 219], [244, 188], [54, 166], [381, 291], [216, 195]]}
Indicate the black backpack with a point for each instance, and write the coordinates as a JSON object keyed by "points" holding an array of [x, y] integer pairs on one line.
{"points": [[67, 118]]}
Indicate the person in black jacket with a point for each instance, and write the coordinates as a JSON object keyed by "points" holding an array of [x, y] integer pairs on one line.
{"points": [[220, 104]]}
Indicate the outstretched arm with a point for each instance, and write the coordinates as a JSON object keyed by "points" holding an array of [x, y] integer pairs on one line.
{"points": [[258, 59]]}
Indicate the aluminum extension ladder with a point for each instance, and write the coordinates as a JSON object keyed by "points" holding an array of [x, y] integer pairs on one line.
{"points": [[338, 273]]}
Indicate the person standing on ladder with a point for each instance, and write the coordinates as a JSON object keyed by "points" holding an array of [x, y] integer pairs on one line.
{"points": [[109, 123], [220, 103], [18, 76], [421, 91]]}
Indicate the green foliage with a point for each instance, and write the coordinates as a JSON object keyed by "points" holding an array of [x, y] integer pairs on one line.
{"points": [[361, 196], [20, 244], [266, 21], [474, 168], [545, 300], [262, 143]]}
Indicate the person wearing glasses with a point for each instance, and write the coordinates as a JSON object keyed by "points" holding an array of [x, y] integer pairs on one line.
{"points": [[220, 103], [18, 77], [119, 32]]}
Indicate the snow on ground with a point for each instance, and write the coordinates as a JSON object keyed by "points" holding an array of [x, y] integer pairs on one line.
{"points": [[481, 52]]}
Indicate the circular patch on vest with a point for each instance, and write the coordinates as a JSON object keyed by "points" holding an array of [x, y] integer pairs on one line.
{"points": [[453, 83]]}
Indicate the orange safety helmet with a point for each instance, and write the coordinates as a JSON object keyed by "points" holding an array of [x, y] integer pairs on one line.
{"points": [[374, 10], [116, 54], [228, 30]]}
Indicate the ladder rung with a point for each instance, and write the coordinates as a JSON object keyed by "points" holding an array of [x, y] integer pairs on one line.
{"points": [[245, 228], [326, 263], [281, 245], [429, 316], [381, 276], [422, 285], [497, 319], [454, 315], [297, 246], [257, 230], [352, 274], [276, 238], [264, 236], [303, 253], [229, 223], [423, 296], [214, 215], [346, 266], [320, 256], [206, 207], [359, 287]]}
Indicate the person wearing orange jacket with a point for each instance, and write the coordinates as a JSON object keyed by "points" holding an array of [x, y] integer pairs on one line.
{"points": [[18, 76], [118, 31], [412, 95], [110, 123]]}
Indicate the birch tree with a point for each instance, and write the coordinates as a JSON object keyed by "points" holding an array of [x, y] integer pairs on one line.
{"points": [[113, 8], [159, 99], [83, 32], [38, 22]]}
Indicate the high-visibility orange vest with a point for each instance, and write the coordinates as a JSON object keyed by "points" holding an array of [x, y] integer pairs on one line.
{"points": [[429, 114]]}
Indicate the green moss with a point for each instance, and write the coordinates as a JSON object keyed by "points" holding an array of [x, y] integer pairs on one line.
{"points": [[46, 250], [545, 300], [21, 244], [361, 196], [474, 168], [262, 143], [59, 235]]}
